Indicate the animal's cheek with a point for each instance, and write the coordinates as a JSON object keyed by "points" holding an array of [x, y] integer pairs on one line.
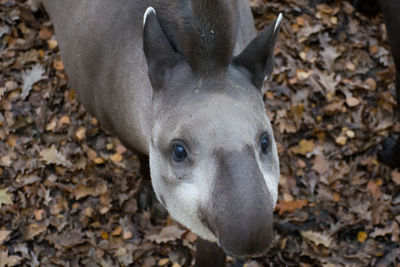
{"points": [[270, 172]]}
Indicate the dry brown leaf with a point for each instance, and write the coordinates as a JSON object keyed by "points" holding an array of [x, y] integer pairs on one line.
{"points": [[329, 55], [4, 234], [393, 229], [58, 64], [45, 33], [9, 261], [167, 234], [352, 101], [163, 262], [116, 158], [308, 30], [81, 190], [51, 156], [80, 133], [67, 239], [64, 120], [5, 198], [318, 238], [34, 229], [191, 237], [290, 206], [396, 177], [374, 189], [320, 164], [333, 108]]}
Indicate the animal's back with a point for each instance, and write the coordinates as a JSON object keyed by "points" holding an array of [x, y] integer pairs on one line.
{"points": [[101, 47]]}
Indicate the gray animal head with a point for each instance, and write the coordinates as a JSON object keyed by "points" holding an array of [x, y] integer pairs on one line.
{"points": [[213, 158]]}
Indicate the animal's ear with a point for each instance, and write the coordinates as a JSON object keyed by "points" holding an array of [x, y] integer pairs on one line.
{"points": [[258, 57], [159, 53]]}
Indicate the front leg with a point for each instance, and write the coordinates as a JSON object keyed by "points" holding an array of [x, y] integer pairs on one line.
{"points": [[390, 154], [209, 254], [147, 199]]}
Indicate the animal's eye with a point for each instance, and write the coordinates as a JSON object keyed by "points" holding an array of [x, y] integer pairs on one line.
{"points": [[264, 143], [179, 152]]}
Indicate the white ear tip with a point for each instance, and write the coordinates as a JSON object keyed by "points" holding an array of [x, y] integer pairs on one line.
{"points": [[149, 10], [278, 21]]}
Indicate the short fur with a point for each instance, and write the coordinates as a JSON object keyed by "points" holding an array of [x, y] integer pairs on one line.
{"points": [[174, 77]]}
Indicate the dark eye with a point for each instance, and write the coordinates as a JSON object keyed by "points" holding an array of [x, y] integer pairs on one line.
{"points": [[264, 143], [179, 152]]}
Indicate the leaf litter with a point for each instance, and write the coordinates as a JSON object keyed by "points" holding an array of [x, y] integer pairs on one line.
{"points": [[67, 188]]}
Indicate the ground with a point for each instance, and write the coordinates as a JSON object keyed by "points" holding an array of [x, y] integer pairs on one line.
{"points": [[67, 188]]}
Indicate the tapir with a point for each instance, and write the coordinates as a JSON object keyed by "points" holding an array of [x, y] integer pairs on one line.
{"points": [[390, 154], [180, 83]]}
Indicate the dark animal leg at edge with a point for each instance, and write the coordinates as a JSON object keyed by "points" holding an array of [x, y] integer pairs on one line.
{"points": [[390, 153], [146, 197], [209, 254]]}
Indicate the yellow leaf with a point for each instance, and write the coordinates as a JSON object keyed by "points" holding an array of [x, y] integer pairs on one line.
{"points": [[163, 262], [116, 158], [304, 147], [5, 198], [104, 235], [361, 236]]}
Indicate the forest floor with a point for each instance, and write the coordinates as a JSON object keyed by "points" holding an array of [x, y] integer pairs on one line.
{"points": [[67, 188]]}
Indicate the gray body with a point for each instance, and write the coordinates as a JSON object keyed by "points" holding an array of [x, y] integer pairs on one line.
{"points": [[101, 47], [188, 74]]}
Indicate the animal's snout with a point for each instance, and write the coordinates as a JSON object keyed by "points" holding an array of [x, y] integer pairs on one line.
{"points": [[248, 234], [241, 210]]}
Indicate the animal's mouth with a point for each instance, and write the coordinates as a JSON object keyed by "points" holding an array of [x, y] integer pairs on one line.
{"points": [[244, 255]]}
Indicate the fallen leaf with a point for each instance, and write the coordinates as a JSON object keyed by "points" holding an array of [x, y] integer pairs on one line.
{"points": [[163, 262], [81, 190], [321, 165], [4, 234], [290, 206], [393, 230], [374, 189], [352, 101], [45, 33], [329, 55], [30, 77], [30, 56], [362, 236], [34, 229], [396, 177], [304, 147], [116, 158], [308, 30], [80, 133], [167, 234], [9, 261], [5, 198], [317, 238], [58, 64], [52, 156]]}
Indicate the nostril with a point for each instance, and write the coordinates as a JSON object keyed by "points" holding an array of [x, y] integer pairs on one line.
{"points": [[247, 240]]}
